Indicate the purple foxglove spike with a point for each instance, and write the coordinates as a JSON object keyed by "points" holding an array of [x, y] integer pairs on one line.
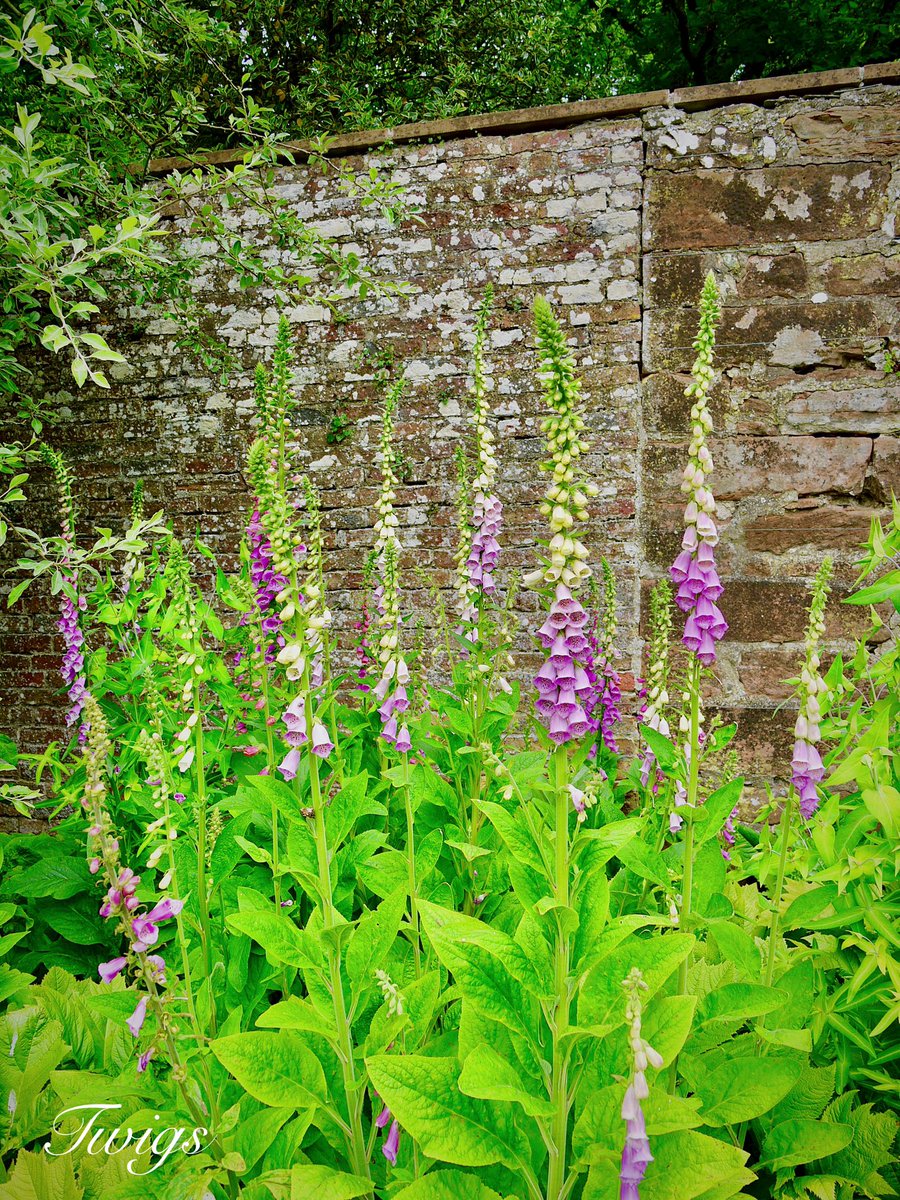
{"points": [[290, 764], [392, 1144], [136, 1021], [108, 971]]}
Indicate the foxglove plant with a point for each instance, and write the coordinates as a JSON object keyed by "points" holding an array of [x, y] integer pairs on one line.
{"points": [[694, 571], [653, 713], [806, 765], [71, 602], [139, 928], [562, 682], [480, 531], [391, 689], [636, 1152], [610, 690]]}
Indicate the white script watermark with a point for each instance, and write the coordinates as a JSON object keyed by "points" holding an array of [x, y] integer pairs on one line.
{"points": [[160, 1143]]}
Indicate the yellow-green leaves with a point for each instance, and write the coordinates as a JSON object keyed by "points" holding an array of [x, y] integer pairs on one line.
{"points": [[423, 1095], [276, 1068]]}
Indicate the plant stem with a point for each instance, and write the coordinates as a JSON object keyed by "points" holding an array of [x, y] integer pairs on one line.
{"points": [[270, 761], [559, 1088], [687, 882], [774, 931], [353, 1093], [202, 892], [411, 867]]}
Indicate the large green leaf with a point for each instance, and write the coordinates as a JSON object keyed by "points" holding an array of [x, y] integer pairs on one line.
{"points": [[794, 1142], [602, 1000], [277, 1068], [282, 941], [423, 1095], [743, 1088], [486, 1075], [735, 1001]]}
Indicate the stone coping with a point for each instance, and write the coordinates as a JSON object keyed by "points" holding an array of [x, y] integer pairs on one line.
{"points": [[558, 116]]}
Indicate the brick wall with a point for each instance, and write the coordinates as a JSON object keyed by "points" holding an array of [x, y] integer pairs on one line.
{"points": [[791, 201]]}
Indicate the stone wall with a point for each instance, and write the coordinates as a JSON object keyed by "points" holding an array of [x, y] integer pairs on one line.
{"points": [[792, 201]]}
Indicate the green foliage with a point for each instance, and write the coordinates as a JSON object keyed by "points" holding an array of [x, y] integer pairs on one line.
{"points": [[396, 972]]}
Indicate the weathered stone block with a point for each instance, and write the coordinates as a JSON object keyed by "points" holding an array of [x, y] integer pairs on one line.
{"points": [[748, 208]]}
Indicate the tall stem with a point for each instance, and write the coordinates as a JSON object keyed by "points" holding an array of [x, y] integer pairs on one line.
{"points": [[687, 881], [774, 930], [353, 1092], [202, 892], [411, 868], [559, 1087], [270, 761]]}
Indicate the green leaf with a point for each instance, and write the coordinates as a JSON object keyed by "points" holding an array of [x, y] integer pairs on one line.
{"points": [[325, 1183], [374, 936], [488, 967], [602, 1002], [282, 941], [737, 946], [277, 1068], [736, 1001], [794, 1142], [41, 1177], [711, 817], [17, 591], [346, 808], [488, 1076], [515, 835], [663, 750], [447, 1185], [295, 1013], [423, 1095], [740, 1090]]}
